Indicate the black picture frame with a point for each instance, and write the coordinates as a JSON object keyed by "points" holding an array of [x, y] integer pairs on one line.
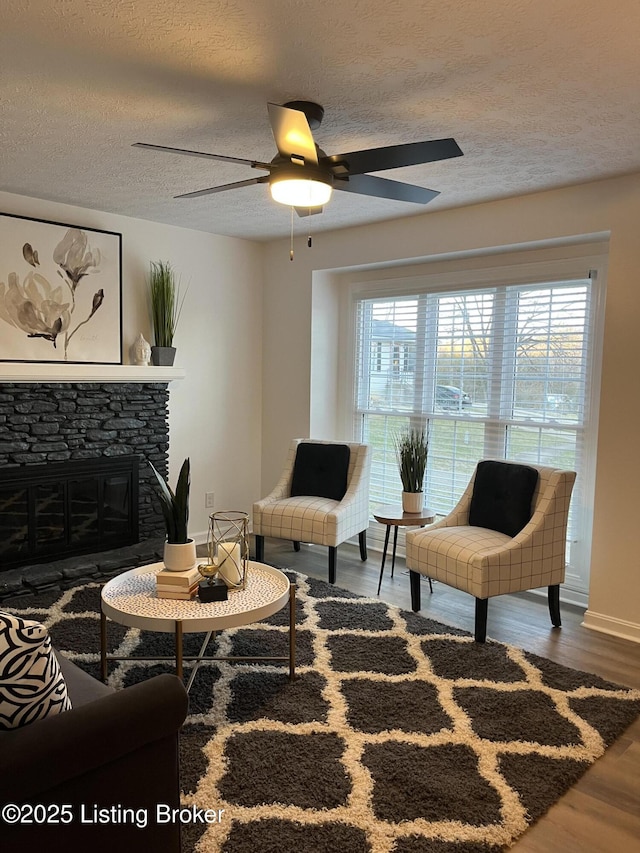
{"points": [[60, 292]]}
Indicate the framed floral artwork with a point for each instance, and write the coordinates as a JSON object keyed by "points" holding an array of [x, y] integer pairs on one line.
{"points": [[60, 292]]}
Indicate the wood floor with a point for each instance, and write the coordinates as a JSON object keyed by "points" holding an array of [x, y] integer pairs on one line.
{"points": [[601, 813]]}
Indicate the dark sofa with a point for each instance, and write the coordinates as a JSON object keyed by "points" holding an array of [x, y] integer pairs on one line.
{"points": [[115, 750]]}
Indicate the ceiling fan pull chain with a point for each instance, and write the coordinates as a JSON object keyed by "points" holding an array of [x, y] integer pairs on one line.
{"points": [[309, 238], [291, 249]]}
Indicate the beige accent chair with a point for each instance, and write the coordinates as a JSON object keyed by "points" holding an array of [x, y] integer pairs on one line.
{"points": [[486, 562], [317, 520]]}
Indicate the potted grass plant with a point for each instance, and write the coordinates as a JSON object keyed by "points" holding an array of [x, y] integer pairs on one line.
{"points": [[166, 307], [179, 549], [412, 447]]}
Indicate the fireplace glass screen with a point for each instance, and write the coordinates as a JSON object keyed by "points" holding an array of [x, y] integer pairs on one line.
{"points": [[51, 511]]}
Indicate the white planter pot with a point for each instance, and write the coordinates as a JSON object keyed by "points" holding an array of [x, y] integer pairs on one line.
{"points": [[412, 501], [180, 558]]}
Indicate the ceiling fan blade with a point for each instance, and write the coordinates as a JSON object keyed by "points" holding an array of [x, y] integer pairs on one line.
{"points": [[256, 164], [308, 211], [396, 156], [292, 134], [223, 187], [383, 188]]}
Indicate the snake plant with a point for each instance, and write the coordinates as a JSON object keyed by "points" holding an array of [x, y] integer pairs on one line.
{"points": [[175, 505]]}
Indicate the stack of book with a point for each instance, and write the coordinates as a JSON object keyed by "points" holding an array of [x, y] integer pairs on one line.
{"points": [[182, 585]]}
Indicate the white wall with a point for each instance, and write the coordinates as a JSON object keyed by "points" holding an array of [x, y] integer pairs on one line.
{"points": [[600, 208], [215, 412], [234, 417]]}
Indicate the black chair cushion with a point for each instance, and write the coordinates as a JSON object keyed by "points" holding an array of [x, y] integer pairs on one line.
{"points": [[321, 470], [502, 496]]}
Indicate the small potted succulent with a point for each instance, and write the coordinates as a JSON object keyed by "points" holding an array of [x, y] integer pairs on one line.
{"points": [[412, 446], [179, 549]]}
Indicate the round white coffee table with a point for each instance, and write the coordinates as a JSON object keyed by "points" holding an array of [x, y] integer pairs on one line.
{"points": [[130, 599]]}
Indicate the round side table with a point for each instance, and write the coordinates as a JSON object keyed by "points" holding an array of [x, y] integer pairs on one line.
{"points": [[394, 516]]}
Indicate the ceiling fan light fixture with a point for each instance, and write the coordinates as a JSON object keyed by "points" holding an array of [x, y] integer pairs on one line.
{"points": [[302, 176], [300, 192]]}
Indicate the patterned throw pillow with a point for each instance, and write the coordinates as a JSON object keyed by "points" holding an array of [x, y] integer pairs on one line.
{"points": [[31, 684]]}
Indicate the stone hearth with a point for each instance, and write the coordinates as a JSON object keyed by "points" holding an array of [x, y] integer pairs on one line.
{"points": [[61, 574]]}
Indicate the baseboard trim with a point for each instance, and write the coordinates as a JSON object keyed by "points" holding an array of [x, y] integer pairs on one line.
{"points": [[574, 596], [567, 596], [200, 538], [611, 625]]}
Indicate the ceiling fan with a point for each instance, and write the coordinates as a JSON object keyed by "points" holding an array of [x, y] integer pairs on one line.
{"points": [[303, 176]]}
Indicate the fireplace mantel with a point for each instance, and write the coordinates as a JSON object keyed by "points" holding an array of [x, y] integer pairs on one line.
{"points": [[44, 372]]}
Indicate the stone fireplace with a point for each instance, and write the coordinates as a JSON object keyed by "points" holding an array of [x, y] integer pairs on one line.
{"points": [[70, 508], [48, 427]]}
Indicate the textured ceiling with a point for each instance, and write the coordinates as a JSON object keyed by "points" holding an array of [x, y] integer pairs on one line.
{"points": [[538, 94]]}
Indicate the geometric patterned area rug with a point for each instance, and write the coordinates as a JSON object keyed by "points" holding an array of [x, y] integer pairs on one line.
{"points": [[400, 734]]}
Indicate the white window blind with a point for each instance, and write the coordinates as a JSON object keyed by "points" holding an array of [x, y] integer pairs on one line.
{"points": [[492, 372]]}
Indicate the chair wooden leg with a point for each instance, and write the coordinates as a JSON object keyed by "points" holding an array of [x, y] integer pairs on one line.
{"points": [[362, 536], [333, 559], [259, 548], [482, 605], [296, 546], [414, 581], [554, 605]]}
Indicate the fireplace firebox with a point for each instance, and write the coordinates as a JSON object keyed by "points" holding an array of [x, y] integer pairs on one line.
{"points": [[65, 509]]}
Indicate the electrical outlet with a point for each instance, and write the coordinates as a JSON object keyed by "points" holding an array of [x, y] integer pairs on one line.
{"points": [[208, 500]]}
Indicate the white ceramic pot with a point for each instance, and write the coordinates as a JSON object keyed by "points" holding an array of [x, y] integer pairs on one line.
{"points": [[180, 558], [412, 501]]}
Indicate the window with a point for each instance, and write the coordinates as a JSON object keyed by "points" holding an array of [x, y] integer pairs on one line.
{"points": [[491, 372]]}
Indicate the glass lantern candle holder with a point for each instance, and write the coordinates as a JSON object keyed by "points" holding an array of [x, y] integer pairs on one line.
{"points": [[228, 546]]}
